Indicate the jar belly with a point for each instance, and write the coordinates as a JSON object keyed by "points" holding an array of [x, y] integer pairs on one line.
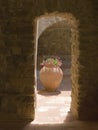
{"points": [[51, 77]]}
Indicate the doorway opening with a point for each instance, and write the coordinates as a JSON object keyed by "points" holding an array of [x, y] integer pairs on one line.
{"points": [[55, 34]]}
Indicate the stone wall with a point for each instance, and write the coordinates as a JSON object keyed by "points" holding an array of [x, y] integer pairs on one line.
{"points": [[17, 52], [16, 61]]}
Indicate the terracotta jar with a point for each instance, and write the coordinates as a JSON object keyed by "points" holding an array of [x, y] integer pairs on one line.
{"points": [[51, 77]]}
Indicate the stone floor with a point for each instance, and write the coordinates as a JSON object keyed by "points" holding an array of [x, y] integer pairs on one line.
{"points": [[52, 107]]}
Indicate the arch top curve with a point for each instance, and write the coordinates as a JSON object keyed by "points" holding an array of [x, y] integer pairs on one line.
{"points": [[48, 19]]}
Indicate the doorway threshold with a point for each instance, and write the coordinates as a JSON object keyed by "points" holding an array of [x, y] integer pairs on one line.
{"points": [[52, 107]]}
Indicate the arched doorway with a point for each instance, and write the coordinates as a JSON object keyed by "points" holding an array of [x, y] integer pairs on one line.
{"points": [[61, 28]]}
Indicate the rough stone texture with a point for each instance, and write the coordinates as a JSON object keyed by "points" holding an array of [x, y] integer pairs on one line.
{"points": [[16, 61], [17, 51]]}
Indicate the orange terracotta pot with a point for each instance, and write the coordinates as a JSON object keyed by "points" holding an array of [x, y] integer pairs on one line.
{"points": [[51, 77]]}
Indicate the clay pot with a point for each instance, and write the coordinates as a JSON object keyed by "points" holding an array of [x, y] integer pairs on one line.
{"points": [[51, 77]]}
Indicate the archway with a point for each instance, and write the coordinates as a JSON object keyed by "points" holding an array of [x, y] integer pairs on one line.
{"points": [[49, 22]]}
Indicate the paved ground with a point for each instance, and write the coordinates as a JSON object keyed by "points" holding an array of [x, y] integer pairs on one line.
{"points": [[52, 107]]}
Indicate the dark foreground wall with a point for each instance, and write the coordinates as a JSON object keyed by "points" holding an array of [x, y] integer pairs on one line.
{"points": [[17, 56]]}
